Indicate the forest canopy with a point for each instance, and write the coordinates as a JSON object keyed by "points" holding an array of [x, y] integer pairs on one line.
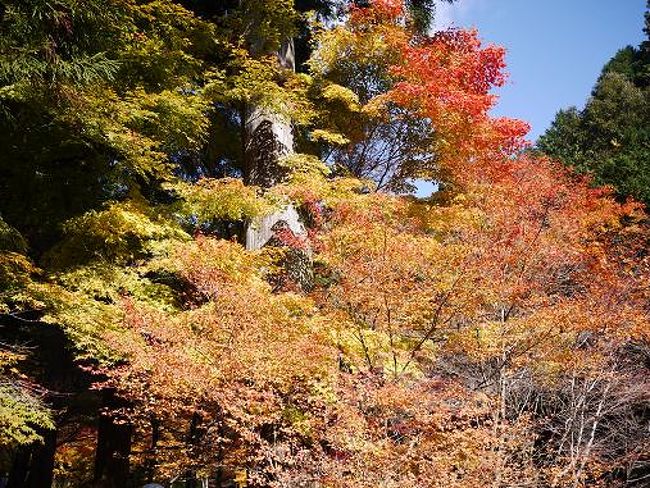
{"points": [[213, 270]]}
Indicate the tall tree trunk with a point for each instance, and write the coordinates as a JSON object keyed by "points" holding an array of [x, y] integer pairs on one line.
{"points": [[33, 466], [269, 136], [114, 439], [151, 461], [19, 467], [191, 480], [41, 474]]}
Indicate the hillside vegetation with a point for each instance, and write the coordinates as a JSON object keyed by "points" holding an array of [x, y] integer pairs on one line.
{"points": [[212, 272]]}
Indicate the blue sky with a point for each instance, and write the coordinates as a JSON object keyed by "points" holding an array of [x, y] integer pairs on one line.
{"points": [[556, 48]]}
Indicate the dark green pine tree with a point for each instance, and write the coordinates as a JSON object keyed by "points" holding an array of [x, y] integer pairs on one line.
{"points": [[610, 137]]}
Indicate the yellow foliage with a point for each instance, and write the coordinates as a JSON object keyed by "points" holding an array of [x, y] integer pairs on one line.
{"points": [[223, 199]]}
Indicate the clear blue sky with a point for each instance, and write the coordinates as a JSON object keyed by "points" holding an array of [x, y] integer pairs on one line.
{"points": [[556, 48]]}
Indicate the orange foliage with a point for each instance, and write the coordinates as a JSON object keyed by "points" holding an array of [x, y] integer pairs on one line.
{"points": [[436, 329], [449, 80], [380, 12]]}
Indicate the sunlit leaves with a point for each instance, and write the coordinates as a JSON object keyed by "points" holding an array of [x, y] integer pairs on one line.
{"points": [[444, 339], [223, 199], [119, 233], [21, 415]]}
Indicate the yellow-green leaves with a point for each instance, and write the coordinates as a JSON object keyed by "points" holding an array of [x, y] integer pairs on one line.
{"points": [[303, 166], [265, 24], [329, 137], [263, 84], [223, 199], [119, 233], [176, 118], [339, 94], [22, 415]]}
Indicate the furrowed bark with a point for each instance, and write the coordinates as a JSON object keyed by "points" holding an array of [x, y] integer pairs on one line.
{"points": [[269, 139]]}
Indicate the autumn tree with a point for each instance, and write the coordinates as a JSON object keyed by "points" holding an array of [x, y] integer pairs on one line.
{"points": [[494, 334], [94, 103]]}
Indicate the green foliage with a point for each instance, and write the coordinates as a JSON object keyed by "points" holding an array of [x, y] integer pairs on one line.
{"points": [[10, 239], [110, 284], [610, 137], [304, 167], [222, 199], [22, 415], [120, 233], [264, 24], [263, 84], [17, 272], [423, 13], [71, 143], [56, 41]]}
